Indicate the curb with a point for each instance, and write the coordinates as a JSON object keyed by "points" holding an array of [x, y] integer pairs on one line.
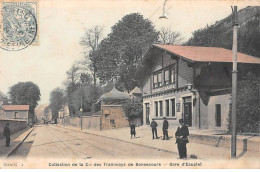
{"points": [[164, 150], [19, 144]]}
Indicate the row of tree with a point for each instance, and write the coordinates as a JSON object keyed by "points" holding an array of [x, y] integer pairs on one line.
{"points": [[109, 60], [220, 34]]}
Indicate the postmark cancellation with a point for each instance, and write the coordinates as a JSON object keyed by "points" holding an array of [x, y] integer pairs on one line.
{"points": [[18, 24]]}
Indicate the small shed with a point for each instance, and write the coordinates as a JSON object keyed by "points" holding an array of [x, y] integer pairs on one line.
{"points": [[16, 112], [112, 111]]}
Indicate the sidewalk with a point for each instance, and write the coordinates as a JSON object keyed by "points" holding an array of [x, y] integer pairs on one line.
{"points": [[195, 149], [16, 140]]}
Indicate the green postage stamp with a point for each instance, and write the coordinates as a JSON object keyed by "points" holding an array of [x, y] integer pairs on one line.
{"points": [[18, 24]]}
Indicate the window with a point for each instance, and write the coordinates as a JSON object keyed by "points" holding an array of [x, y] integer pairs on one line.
{"points": [[173, 107], [167, 107], [166, 77], [155, 81], [159, 79], [218, 115], [112, 122], [161, 108], [156, 109], [172, 76]]}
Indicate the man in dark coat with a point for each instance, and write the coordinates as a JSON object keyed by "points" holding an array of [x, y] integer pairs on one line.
{"points": [[165, 128], [154, 128], [181, 135], [132, 129], [7, 134]]}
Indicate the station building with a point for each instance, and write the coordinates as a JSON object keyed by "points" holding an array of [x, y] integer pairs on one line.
{"points": [[190, 83]]}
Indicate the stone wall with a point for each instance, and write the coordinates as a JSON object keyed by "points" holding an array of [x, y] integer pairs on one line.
{"points": [[113, 116], [14, 125], [88, 122]]}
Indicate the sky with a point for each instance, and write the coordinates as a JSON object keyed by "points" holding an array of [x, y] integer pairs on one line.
{"points": [[62, 23]]}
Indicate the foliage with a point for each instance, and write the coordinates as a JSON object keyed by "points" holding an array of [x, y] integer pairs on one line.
{"points": [[56, 101], [220, 34], [133, 108], [25, 93], [123, 49], [72, 83], [248, 105]]}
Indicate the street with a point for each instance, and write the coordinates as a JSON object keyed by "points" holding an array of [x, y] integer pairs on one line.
{"points": [[50, 141]]}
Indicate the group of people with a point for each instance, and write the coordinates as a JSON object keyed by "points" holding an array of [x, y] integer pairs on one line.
{"points": [[181, 134]]}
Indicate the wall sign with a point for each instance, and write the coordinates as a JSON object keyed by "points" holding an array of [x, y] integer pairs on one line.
{"points": [[164, 88], [178, 107]]}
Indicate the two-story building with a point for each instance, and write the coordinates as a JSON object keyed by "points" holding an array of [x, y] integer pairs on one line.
{"points": [[190, 83]]}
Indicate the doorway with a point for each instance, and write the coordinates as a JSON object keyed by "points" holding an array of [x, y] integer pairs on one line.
{"points": [[187, 111], [147, 113], [15, 115]]}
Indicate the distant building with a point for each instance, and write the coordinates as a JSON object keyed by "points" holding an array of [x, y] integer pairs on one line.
{"points": [[16, 112], [64, 112], [190, 83], [135, 93]]}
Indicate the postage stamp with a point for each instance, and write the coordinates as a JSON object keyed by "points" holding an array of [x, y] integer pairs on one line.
{"points": [[18, 24]]}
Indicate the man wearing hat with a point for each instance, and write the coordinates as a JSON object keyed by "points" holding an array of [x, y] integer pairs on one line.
{"points": [[181, 135], [154, 128], [7, 134], [165, 128]]}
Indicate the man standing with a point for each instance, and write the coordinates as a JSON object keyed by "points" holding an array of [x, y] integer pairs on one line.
{"points": [[154, 128], [181, 135], [132, 129], [7, 134], [165, 128]]}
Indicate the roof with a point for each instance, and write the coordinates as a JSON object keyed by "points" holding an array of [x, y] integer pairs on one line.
{"points": [[16, 107], [207, 54], [135, 91], [114, 94]]}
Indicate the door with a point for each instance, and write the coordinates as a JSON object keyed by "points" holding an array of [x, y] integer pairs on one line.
{"points": [[15, 115], [147, 113], [187, 111]]}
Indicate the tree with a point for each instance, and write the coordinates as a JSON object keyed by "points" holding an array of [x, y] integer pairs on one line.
{"points": [[56, 102], [167, 36], [133, 108], [248, 105], [220, 34], [25, 93], [91, 40], [85, 79], [123, 49], [72, 84]]}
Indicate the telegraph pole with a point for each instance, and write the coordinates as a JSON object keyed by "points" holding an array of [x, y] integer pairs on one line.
{"points": [[81, 110], [234, 85]]}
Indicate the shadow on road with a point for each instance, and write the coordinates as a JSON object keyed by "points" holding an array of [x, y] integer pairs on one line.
{"points": [[25, 152]]}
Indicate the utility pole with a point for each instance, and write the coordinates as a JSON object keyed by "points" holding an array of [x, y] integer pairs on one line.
{"points": [[234, 85], [81, 110]]}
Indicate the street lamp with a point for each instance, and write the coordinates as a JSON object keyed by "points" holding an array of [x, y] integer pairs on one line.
{"points": [[163, 16]]}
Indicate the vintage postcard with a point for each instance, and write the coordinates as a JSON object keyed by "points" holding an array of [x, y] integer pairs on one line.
{"points": [[129, 84]]}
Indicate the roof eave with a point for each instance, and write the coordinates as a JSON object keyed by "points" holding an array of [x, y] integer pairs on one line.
{"points": [[169, 52]]}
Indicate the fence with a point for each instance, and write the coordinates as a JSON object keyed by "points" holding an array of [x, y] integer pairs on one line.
{"points": [[88, 122]]}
